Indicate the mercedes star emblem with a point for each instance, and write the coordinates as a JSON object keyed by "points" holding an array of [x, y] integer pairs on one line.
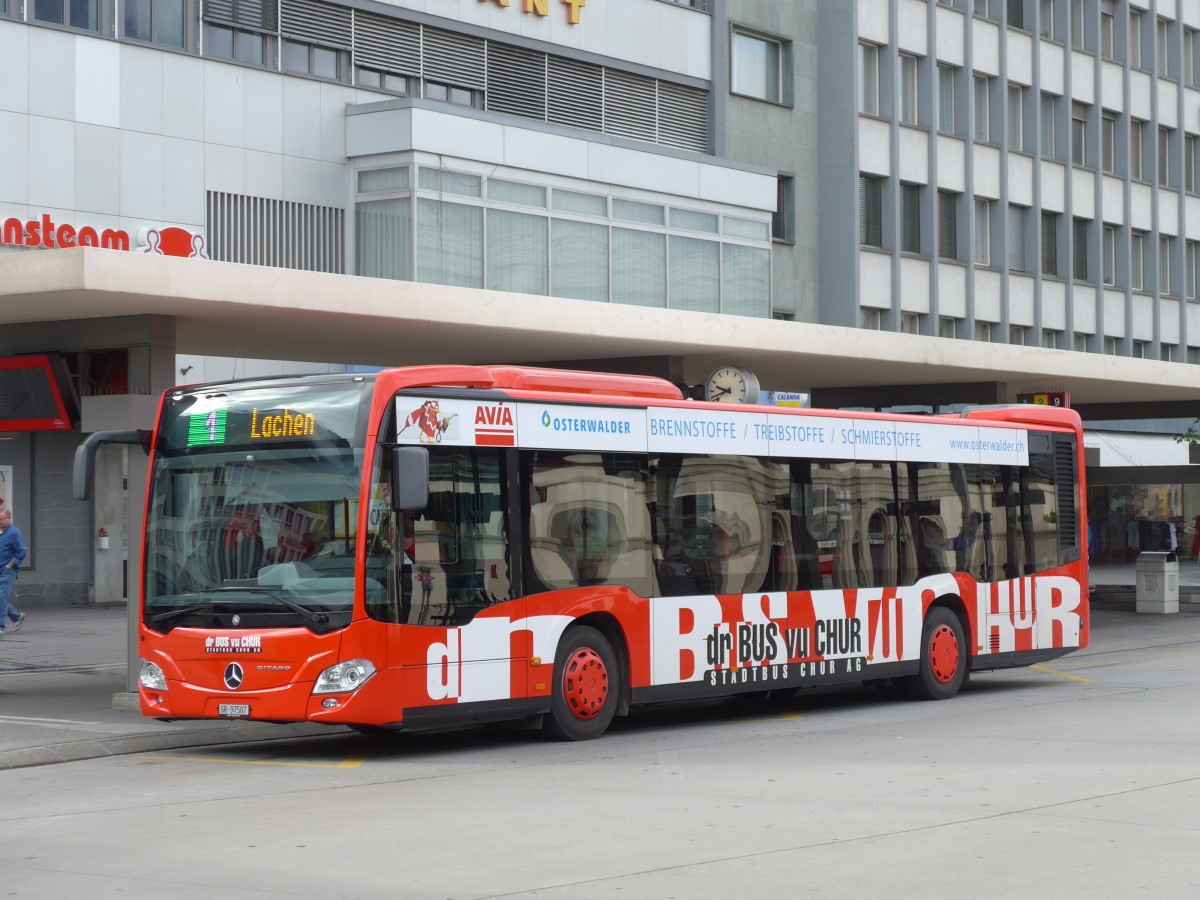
{"points": [[234, 676], [237, 620]]}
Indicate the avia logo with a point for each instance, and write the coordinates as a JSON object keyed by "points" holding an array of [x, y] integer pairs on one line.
{"points": [[494, 426], [47, 234]]}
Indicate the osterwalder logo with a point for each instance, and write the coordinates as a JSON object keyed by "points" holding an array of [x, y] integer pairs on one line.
{"points": [[586, 424]]}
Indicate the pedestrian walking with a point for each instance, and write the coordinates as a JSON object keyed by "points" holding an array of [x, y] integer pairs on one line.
{"points": [[12, 554]]}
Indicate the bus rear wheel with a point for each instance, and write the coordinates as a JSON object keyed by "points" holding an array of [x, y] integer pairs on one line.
{"points": [[586, 687], [944, 658]]}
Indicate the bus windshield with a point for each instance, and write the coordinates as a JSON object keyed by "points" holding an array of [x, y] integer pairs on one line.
{"points": [[254, 503]]}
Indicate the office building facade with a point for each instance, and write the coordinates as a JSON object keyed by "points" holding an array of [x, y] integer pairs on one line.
{"points": [[1027, 171]]}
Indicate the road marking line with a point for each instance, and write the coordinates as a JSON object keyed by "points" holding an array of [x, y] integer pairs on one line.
{"points": [[1050, 671], [28, 669], [32, 720], [786, 715], [352, 762]]}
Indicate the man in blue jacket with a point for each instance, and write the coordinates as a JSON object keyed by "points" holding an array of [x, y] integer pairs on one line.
{"points": [[12, 554]]}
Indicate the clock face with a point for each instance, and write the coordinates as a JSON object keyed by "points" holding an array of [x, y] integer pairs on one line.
{"points": [[731, 384]]}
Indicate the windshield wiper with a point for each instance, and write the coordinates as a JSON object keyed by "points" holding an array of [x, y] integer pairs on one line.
{"points": [[184, 611], [313, 618]]}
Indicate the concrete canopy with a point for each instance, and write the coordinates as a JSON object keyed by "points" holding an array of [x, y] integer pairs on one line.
{"points": [[234, 310]]}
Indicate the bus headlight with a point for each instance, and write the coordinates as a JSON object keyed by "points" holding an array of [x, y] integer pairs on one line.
{"points": [[152, 677], [345, 676]]}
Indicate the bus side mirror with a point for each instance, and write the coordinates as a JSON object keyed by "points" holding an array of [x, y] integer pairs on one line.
{"points": [[83, 472], [410, 479]]}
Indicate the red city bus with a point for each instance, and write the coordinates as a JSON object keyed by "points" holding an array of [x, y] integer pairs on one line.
{"points": [[443, 545]]}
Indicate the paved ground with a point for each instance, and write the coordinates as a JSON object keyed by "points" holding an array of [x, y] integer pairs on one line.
{"points": [[62, 686]]}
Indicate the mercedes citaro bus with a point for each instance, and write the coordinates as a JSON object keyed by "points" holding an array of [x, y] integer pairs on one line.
{"points": [[442, 545]]}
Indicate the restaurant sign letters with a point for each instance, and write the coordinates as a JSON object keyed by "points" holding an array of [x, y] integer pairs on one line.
{"points": [[542, 7], [44, 233]]}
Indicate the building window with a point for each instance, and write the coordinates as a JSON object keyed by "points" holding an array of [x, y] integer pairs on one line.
{"points": [[1017, 335], [1015, 13], [868, 79], [1108, 30], [1052, 338], [1164, 263], [1191, 163], [980, 8], [1163, 48], [759, 67], [378, 79], [1050, 243], [1108, 143], [1016, 117], [947, 327], [1048, 108], [223, 42], [1137, 141], [1016, 238], [1191, 57], [1078, 134], [1137, 260], [1135, 39], [1192, 265], [909, 103], [84, 14], [946, 98], [983, 332], [1080, 343], [1079, 249], [310, 59], [783, 222], [1137, 348], [910, 218], [1077, 23], [1109, 252], [1164, 156], [910, 323], [156, 21], [448, 93], [1046, 18], [870, 211], [983, 108], [983, 232], [948, 225], [1166, 352]]}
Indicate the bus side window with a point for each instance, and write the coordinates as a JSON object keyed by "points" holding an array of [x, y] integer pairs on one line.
{"points": [[588, 520]]}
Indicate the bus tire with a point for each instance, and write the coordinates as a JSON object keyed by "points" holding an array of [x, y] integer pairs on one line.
{"points": [[944, 658], [586, 687]]}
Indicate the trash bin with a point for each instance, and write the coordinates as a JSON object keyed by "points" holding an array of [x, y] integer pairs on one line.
{"points": [[1157, 583]]}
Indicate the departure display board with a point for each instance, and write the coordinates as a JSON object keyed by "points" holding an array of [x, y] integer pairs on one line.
{"points": [[263, 414], [36, 394]]}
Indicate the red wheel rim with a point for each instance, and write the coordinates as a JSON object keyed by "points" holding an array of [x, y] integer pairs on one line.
{"points": [[585, 683], [943, 654]]}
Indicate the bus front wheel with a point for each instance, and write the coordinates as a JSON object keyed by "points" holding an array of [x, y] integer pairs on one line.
{"points": [[586, 687], [944, 658]]}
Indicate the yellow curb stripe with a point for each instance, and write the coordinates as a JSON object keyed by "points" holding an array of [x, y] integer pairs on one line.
{"points": [[352, 762], [1050, 671]]}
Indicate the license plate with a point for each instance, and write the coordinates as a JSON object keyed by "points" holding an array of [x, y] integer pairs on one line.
{"points": [[237, 710]]}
